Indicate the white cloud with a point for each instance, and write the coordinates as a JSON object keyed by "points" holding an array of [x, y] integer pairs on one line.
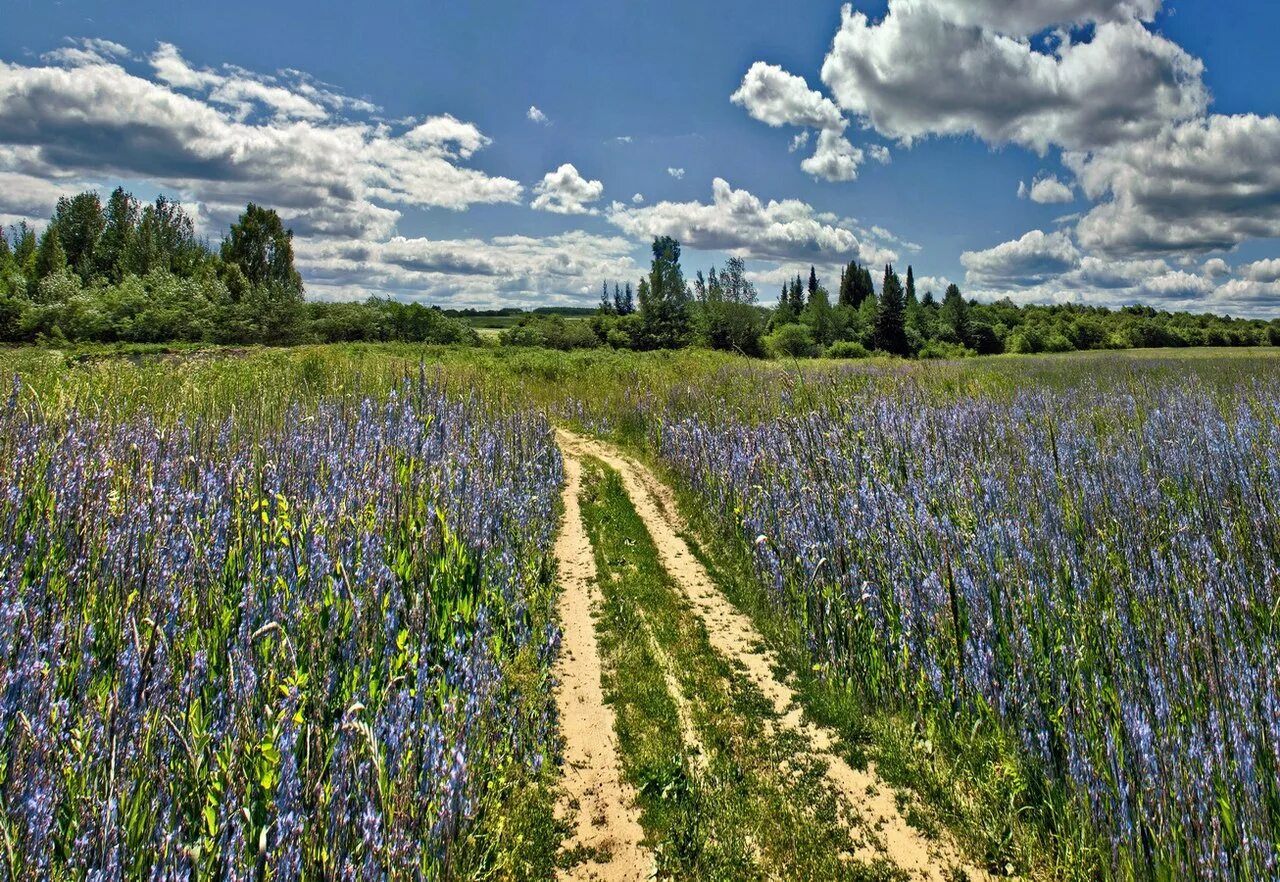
{"points": [[86, 51], [1046, 190], [623, 139], [1216, 268], [880, 154], [676, 173], [929, 68], [1266, 271], [565, 191], [536, 115], [325, 176], [1197, 187], [739, 222], [504, 270], [1035, 258], [777, 98], [835, 159], [1024, 18], [637, 199]]}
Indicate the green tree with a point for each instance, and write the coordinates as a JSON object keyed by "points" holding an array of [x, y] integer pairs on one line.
{"points": [[165, 240], [818, 317], [51, 256], [954, 314], [120, 229], [259, 244], [783, 313], [664, 298], [890, 327], [80, 222], [24, 248]]}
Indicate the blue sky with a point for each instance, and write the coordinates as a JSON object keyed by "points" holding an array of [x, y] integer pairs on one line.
{"points": [[1105, 151]]}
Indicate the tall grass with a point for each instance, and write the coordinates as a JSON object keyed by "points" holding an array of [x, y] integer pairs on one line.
{"points": [[1089, 568], [256, 625]]}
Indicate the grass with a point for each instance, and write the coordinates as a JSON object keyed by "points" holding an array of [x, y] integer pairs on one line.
{"points": [[745, 801], [972, 784]]}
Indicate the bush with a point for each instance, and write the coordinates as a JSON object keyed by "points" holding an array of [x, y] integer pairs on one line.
{"points": [[791, 341], [941, 349], [847, 349]]}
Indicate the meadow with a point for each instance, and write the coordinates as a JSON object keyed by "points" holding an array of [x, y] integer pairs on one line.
{"points": [[289, 613]]}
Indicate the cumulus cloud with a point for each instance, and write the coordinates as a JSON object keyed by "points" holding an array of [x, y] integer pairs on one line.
{"points": [[676, 173], [933, 68], [835, 159], [1262, 271], [325, 175], [880, 154], [1201, 186], [504, 270], [1050, 268], [536, 115], [1046, 190], [637, 199], [1025, 18], [1035, 258], [739, 222], [86, 51], [565, 191], [778, 98]]}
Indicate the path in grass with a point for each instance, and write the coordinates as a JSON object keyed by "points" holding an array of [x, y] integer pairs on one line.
{"points": [[596, 803], [867, 808]]}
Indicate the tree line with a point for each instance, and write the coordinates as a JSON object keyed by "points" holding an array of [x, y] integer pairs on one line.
{"points": [[125, 272], [130, 272], [720, 310]]}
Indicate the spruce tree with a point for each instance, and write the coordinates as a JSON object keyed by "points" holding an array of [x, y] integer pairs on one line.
{"points": [[955, 314], [813, 282], [796, 296], [51, 256], [890, 327], [911, 287], [606, 302]]}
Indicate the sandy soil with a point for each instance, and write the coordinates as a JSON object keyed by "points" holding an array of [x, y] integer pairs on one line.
{"points": [[733, 635], [598, 803]]}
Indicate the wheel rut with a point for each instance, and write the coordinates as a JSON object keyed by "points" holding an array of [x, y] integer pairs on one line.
{"points": [[732, 634], [597, 803]]}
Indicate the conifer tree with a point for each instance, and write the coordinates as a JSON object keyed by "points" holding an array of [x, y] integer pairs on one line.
{"points": [[954, 314], [890, 327], [813, 282], [51, 256]]}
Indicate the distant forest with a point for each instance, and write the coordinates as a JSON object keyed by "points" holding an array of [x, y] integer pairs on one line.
{"points": [[125, 272]]}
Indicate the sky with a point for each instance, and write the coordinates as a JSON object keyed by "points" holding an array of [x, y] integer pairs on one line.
{"points": [[519, 154]]}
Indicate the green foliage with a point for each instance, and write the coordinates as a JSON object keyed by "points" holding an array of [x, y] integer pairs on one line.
{"points": [[551, 332], [664, 299], [847, 349], [890, 326], [792, 341]]}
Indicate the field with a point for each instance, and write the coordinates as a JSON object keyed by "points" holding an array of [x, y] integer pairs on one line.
{"points": [[341, 612]]}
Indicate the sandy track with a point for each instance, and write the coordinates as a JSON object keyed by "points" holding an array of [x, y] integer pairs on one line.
{"points": [[733, 635], [596, 801]]}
